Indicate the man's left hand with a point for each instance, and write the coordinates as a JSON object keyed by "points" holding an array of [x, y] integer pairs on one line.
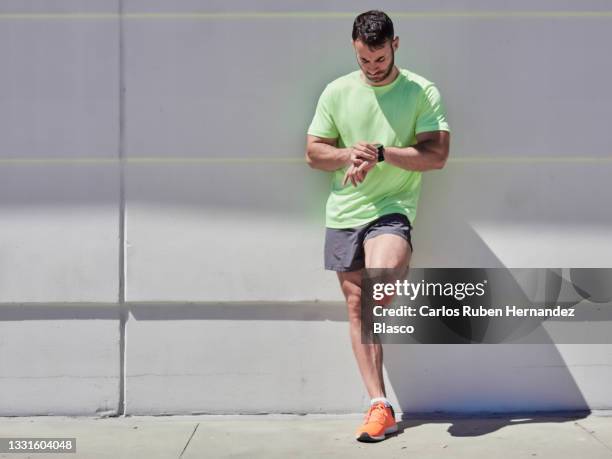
{"points": [[357, 171]]}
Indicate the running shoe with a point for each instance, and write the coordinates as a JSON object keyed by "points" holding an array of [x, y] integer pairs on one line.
{"points": [[379, 421]]}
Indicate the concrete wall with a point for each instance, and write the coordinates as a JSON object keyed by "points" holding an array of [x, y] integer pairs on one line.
{"points": [[161, 237]]}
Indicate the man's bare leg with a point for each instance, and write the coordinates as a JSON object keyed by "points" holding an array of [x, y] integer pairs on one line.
{"points": [[367, 355], [383, 251], [388, 251]]}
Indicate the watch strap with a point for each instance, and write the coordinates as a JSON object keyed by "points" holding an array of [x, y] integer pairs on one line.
{"points": [[381, 153]]}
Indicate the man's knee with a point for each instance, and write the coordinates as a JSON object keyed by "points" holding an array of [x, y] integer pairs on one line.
{"points": [[390, 254], [387, 251]]}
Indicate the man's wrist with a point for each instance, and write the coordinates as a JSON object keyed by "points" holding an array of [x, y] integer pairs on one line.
{"points": [[345, 156]]}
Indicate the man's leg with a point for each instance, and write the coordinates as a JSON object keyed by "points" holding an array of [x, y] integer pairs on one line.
{"points": [[388, 251], [368, 356], [382, 251]]}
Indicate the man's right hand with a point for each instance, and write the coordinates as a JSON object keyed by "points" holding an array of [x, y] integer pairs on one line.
{"points": [[363, 151], [363, 157]]}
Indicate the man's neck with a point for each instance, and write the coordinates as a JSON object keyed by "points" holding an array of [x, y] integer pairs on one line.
{"points": [[390, 79]]}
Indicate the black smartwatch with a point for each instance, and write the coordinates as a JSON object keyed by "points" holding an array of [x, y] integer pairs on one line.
{"points": [[381, 152]]}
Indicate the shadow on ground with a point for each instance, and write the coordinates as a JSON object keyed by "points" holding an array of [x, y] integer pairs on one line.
{"points": [[475, 426]]}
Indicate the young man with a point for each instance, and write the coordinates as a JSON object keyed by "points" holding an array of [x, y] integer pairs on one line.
{"points": [[376, 129]]}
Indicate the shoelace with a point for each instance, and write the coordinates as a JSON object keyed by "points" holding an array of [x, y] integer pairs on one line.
{"points": [[367, 416], [377, 412]]}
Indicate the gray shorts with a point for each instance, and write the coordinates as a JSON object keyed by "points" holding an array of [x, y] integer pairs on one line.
{"points": [[344, 247]]}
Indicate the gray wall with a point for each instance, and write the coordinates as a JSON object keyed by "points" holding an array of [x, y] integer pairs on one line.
{"points": [[161, 236]]}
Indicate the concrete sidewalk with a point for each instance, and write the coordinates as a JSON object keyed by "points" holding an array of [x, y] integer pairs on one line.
{"points": [[505, 436]]}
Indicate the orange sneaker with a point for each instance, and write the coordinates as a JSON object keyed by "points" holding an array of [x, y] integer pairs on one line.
{"points": [[379, 421]]}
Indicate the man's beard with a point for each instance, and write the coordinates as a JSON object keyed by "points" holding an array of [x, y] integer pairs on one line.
{"points": [[385, 74]]}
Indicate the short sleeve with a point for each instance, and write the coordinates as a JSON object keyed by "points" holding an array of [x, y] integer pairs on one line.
{"points": [[432, 113], [323, 124]]}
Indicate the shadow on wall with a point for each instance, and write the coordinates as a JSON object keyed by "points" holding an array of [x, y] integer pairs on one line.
{"points": [[481, 379]]}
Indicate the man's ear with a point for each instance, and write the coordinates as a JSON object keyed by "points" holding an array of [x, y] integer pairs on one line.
{"points": [[396, 43]]}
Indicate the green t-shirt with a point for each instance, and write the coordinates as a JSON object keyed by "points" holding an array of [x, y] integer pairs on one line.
{"points": [[351, 111]]}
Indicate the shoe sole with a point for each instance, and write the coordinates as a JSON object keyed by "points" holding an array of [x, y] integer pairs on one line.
{"points": [[367, 438]]}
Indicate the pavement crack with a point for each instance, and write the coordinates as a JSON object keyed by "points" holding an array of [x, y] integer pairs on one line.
{"points": [[592, 434], [190, 437]]}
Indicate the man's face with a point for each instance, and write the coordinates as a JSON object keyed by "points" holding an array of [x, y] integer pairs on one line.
{"points": [[376, 64]]}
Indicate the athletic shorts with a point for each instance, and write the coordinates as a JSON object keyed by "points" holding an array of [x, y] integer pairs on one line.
{"points": [[344, 247]]}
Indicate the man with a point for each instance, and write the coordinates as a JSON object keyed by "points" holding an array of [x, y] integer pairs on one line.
{"points": [[376, 129]]}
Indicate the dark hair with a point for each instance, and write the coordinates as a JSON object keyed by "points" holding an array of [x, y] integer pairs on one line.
{"points": [[373, 28]]}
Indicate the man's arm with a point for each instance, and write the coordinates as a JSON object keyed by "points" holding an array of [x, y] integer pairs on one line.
{"points": [[322, 153], [430, 152]]}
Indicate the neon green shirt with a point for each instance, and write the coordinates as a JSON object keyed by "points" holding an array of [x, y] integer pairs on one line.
{"points": [[351, 111]]}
